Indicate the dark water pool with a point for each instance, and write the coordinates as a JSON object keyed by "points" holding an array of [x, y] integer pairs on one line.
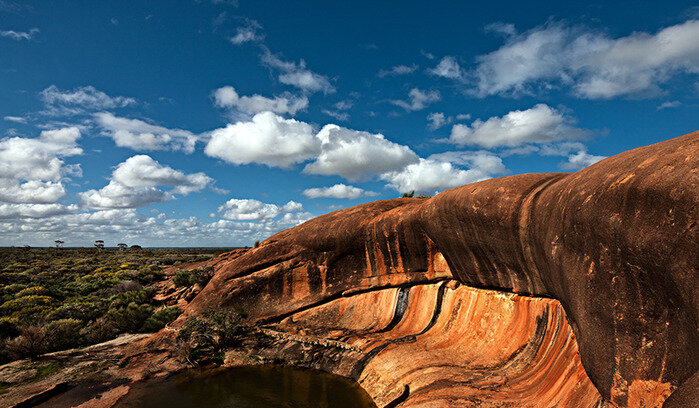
{"points": [[249, 387]]}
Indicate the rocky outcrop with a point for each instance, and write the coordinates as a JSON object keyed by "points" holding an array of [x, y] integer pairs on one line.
{"points": [[615, 244], [537, 290]]}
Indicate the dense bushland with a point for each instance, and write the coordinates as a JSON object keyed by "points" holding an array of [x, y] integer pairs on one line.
{"points": [[52, 299]]}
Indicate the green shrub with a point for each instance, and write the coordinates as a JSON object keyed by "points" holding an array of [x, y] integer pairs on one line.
{"points": [[121, 300], [161, 318], [34, 290], [129, 319], [103, 291], [203, 339], [98, 331], [189, 277], [62, 334], [84, 308], [27, 307]]}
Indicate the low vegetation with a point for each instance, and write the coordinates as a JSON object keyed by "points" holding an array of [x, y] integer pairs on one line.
{"points": [[53, 299], [189, 277], [203, 339]]}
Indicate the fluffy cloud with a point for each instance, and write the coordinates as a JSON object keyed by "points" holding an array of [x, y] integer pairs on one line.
{"points": [[580, 160], [267, 139], [20, 35], [448, 67], [355, 154], [254, 210], [338, 191], [133, 184], [398, 70], [38, 158], [418, 99], [142, 136], [540, 124], [32, 191], [34, 210], [485, 162], [594, 65], [227, 97], [277, 142], [298, 75], [31, 170], [143, 171], [115, 195], [438, 172]]}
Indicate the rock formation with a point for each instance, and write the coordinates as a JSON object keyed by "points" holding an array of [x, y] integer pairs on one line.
{"points": [[615, 244], [537, 290]]}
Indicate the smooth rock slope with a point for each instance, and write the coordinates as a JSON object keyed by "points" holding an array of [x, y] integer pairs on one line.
{"points": [[615, 244]]}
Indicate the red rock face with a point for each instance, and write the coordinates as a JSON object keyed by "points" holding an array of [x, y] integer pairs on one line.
{"points": [[454, 346], [615, 244]]}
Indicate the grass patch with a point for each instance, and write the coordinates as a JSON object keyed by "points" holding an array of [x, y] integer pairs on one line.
{"points": [[45, 370]]}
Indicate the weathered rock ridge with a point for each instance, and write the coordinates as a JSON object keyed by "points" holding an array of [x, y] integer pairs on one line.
{"points": [[615, 244], [537, 290]]}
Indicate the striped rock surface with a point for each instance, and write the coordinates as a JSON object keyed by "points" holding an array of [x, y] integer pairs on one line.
{"points": [[614, 244], [449, 345]]}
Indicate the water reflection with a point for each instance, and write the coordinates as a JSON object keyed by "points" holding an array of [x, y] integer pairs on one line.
{"points": [[250, 387]]}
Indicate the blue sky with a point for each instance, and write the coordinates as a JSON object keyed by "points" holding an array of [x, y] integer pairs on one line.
{"points": [[217, 123]]}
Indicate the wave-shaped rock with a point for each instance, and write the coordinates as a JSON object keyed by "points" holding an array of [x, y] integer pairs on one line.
{"points": [[614, 244]]}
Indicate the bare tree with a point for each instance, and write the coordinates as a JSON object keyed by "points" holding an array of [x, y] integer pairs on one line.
{"points": [[99, 244]]}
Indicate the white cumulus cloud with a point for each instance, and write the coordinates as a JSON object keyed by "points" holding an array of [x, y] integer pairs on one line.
{"points": [[354, 154], [540, 124], [339, 191], [580, 160], [440, 172], [594, 65], [134, 181], [255, 210], [32, 169], [13, 211], [267, 139], [227, 97], [142, 136]]}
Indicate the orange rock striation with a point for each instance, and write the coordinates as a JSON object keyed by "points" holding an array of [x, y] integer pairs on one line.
{"points": [[448, 345], [615, 244]]}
